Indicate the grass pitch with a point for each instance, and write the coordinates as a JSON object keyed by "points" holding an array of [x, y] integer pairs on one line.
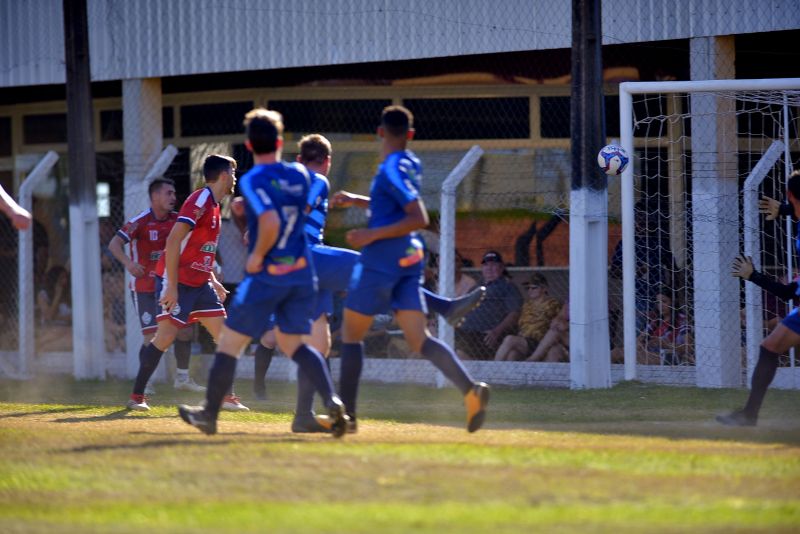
{"points": [[634, 458]]}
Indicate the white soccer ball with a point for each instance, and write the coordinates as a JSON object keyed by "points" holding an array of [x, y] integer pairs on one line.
{"points": [[613, 159]]}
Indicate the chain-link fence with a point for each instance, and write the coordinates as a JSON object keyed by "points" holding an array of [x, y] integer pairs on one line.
{"points": [[505, 87]]}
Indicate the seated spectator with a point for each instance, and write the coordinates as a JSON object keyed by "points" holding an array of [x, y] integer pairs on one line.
{"points": [[54, 298], [484, 327], [537, 313], [667, 338], [554, 346]]}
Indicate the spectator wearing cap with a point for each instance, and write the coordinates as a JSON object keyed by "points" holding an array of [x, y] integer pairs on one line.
{"points": [[484, 327], [537, 313]]}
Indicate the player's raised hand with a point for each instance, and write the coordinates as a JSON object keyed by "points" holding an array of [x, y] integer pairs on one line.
{"points": [[769, 207], [742, 267], [169, 298], [345, 199], [21, 219]]}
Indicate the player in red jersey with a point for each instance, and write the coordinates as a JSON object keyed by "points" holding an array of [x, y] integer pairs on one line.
{"points": [[188, 290], [147, 234]]}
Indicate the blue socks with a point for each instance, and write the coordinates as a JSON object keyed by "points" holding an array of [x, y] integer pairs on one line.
{"points": [[447, 362], [183, 351], [220, 381], [352, 362], [312, 365], [436, 303]]}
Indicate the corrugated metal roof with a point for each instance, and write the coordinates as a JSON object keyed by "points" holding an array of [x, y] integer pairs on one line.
{"points": [[152, 38]]}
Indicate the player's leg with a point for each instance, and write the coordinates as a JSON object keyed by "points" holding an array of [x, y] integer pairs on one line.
{"points": [[149, 358], [411, 319], [214, 325], [455, 309], [230, 346], [305, 420], [779, 341], [292, 319], [262, 360], [183, 350]]}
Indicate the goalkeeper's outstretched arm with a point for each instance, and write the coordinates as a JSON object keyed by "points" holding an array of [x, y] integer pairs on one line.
{"points": [[743, 268]]}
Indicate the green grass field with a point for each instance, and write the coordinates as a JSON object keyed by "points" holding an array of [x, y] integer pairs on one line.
{"points": [[634, 458]]}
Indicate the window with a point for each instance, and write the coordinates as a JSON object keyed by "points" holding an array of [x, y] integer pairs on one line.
{"points": [[213, 119], [44, 129], [111, 125], [470, 118], [5, 136], [330, 116]]}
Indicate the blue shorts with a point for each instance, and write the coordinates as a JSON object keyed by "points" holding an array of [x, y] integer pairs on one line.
{"points": [[792, 321], [194, 303], [255, 302], [145, 304], [334, 268], [372, 292]]}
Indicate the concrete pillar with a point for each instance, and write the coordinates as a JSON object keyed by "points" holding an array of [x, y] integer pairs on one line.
{"points": [[715, 218], [142, 135]]}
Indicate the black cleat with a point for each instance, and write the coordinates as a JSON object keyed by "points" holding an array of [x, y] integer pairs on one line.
{"points": [[352, 424], [737, 418], [475, 401], [311, 424], [337, 417], [462, 306], [198, 418]]}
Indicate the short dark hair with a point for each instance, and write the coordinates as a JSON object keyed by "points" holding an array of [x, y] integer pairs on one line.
{"points": [[314, 148], [157, 184], [793, 184], [397, 120], [263, 127], [216, 164]]}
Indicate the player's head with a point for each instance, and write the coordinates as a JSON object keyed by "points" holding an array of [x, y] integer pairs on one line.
{"points": [[220, 169], [264, 128], [793, 185], [162, 194], [397, 123], [315, 153]]}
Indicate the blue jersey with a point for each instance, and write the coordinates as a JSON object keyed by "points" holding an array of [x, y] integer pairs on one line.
{"points": [[318, 202], [396, 184], [282, 187]]}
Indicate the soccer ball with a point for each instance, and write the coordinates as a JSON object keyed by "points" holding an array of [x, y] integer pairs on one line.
{"points": [[613, 159]]}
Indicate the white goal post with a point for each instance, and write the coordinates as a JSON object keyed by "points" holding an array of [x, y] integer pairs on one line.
{"points": [[700, 151]]}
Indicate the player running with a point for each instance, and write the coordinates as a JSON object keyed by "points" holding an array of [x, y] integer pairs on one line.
{"points": [[280, 277], [389, 271], [187, 288]]}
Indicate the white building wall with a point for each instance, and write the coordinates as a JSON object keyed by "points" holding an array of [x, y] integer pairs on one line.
{"points": [[156, 38]]}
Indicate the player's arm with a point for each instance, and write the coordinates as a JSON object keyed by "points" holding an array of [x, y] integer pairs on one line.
{"points": [[116, 248], [20, 217], [743, 268], [416, 218], [345, 199], [172, 253], [269, 225]]}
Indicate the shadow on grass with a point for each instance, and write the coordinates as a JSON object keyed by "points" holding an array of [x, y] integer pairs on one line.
{"points": [[44, 412], [113, 416], [210, 441]]}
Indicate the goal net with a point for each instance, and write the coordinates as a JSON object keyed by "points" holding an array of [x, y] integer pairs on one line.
{"points": [[704, 153]]}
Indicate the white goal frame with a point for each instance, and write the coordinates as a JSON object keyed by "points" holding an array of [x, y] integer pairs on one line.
{"points": [[626, 92]]}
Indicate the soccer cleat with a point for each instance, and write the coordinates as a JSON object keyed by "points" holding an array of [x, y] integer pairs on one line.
{"points": [[311, 423], [461, 307], [737, 418], [337, 418], [198, 418], [187, 384], [352, 424], [231, 403], [475, 401], [138, 403]]}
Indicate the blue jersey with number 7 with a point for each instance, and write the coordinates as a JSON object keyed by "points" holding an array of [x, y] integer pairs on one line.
{"points": [[282, 187]]}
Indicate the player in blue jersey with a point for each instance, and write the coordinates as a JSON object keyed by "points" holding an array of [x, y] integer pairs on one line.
{"points": [[334, 268], [784, 336], [280, 276], [389, 272]]}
